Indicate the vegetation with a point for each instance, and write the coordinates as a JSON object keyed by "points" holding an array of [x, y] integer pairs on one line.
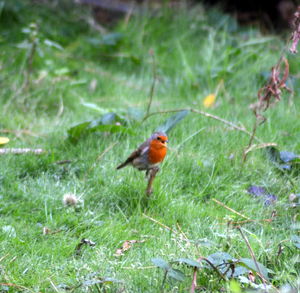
{"points": [[71, 222]]}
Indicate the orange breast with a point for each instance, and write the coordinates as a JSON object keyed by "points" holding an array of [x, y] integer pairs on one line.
{"points": [[157, 152]]}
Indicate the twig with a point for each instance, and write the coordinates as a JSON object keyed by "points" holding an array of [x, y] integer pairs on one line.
{"points": [[182, 233], [153, 82], [236, 127], [245, 222], [15, 286], [259, 146], [245, 152], [21, 151], [230, 209], [159, 223], [194, 281], [253, 256], [213, 266]]}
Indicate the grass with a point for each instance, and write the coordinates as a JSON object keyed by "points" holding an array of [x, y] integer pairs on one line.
{"points": [[195, 50]]}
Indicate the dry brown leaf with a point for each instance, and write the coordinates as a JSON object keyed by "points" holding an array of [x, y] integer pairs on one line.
{"points": [[126, 246]]}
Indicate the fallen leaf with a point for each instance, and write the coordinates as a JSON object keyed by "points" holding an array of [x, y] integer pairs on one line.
{"points": [[209, 101], [4, 140], [126, 246]]}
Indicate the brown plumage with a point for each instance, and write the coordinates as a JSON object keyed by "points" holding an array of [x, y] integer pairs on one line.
{"points": [[149, 154]]}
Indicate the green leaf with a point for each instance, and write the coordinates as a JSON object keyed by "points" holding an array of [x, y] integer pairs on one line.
{"points": [[176, 274], [172, 121], [109, 122], [159, 262], [188, 262], [76, 131], [219, 258], [111, 129], [250, 264]]}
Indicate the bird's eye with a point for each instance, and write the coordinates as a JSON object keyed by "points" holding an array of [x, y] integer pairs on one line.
{"points": [[159, 138]]}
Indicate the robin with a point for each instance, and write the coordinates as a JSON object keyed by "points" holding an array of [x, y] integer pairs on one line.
{"points": [[149, 154]]}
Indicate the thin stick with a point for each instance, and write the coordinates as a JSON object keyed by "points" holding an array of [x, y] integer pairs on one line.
{"points": [[230, 209], [231, 124], [252, 255], [160, 224], [194, 281], [212, 265], [250, 140], [153, 82], [179, 228], [245, 222], [15, 286]]}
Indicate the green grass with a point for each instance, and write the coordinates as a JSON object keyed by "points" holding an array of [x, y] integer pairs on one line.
{"points": [[194, 50]]}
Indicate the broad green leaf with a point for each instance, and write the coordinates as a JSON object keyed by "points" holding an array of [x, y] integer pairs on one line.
{"points": [[159, 262], [219, 258], [172, 121], [188, 262], [176, 274], [238, 271], [109, 122], [77, 131], [249, 263], [111, 129]]}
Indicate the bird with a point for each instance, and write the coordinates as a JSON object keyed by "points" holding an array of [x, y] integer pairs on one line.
{"points": [[149, 154]]}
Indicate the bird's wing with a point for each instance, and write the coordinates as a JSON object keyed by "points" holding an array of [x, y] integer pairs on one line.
{"points": [[140, 150]]}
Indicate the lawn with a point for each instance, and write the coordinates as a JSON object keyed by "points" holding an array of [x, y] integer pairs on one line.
{"points": [[57, 72]]}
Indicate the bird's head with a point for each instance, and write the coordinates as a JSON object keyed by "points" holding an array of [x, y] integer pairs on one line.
{"points": [[160, 139]]}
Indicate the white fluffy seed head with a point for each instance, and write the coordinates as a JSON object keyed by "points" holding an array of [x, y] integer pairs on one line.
{"points": [[70, 199]]}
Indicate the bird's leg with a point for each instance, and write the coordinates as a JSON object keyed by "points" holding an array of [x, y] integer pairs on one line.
{"points": [[153, 173]]}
